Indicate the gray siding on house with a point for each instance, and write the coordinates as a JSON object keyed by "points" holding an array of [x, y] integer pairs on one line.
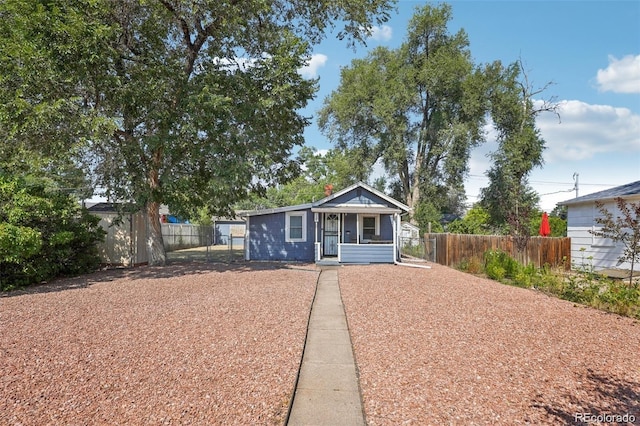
{"points": [[386, 227], [350, 226], [367, 253], [267, 239], [266, 229], [587, 250]]}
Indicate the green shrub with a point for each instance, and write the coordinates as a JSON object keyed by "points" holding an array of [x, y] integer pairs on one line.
{"points": [[471, 266], [43, 234], [547, 280], [585, 286], [18, 243], [498, 265], [495, 272], [619, 297]]}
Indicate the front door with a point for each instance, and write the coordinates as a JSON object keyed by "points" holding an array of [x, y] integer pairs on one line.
{"points": [[331, 226]]}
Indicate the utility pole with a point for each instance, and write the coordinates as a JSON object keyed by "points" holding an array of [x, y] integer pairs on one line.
{"points": [[575, 178]]}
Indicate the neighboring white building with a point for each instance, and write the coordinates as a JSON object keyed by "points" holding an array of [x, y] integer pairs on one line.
{"points": [[125, 243], [587, 249], [409, 230]]}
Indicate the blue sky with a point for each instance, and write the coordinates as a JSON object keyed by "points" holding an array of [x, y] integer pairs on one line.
{"points": [[590, 50]]}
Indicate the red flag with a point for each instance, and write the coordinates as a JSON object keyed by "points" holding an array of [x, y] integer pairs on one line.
{"points": [[545, 229]]}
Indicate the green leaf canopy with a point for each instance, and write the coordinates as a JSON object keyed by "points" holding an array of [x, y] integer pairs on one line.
{"points": [[189, 103]]}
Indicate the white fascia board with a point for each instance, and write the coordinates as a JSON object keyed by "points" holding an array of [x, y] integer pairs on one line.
{"points": [[276, 210], [356, 209], [363, 185]]}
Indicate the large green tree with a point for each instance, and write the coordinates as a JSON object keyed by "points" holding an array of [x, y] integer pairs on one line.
{"points": [[43, 121], [191, 103], [418, 108], [509, 199]]}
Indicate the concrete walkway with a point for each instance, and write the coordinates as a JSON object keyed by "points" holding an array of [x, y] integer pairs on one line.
{"points": [[328, 392]]}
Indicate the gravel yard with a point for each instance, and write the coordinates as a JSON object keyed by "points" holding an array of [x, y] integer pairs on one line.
{"points": [[184, 344], [441, 347], [199, 344]]}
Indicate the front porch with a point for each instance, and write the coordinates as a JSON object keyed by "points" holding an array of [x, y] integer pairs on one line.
{"points": [[356, 235]]}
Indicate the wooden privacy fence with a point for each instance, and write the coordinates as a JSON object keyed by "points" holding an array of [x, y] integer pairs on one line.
{"points": [[451, 249]]}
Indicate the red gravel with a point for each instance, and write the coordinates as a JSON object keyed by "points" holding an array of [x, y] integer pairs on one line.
{"points": [[438, 346], [197, 344], [184, 344]]}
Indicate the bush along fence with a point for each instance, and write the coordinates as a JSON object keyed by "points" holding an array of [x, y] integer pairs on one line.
{"points": [[452, 249]]}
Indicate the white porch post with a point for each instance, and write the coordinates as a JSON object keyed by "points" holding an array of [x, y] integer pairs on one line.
{"points": [[339, 235], [315, 242], [395, 236], [247, 238]]}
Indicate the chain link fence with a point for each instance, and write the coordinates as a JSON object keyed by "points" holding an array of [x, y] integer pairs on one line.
{"points": [[179, 236], [418, 247]]}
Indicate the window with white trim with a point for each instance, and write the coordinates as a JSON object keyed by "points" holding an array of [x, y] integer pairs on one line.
{"points": [[296, 227]]}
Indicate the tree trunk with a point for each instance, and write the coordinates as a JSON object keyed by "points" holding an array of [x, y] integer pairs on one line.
{"points": [[155, 244], [414, 198]]}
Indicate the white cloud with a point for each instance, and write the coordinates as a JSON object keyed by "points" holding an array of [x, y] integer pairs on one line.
{"points": [[311, 69], [600, 142], [586, 131], [621, 76], [382, 33], [480, 160]]}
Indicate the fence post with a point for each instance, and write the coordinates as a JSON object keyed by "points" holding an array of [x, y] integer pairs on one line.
{"points": [[435, 249]]}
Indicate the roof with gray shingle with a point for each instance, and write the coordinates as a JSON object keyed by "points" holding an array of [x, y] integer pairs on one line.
{"points": [[626, 190]]}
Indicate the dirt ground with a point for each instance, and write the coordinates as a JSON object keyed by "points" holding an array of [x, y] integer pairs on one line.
{"points": [[213, 254]]}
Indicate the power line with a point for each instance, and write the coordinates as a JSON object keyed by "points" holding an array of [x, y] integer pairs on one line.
{"points": [[547, 182], [557, 192]]}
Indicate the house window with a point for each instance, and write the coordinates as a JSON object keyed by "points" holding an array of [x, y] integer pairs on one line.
{"points": [[370, 227], [296, 227]]}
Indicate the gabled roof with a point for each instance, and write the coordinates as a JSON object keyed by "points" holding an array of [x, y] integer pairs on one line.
{"points": [[626, 190], [325, 202], [409, 225], [362, 185]]}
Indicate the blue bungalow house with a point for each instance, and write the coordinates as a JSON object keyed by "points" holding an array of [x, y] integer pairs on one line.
{"points": [[356, 225]]}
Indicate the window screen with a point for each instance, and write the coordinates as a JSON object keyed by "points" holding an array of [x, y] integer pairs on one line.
{"points": [[295, 227], [368, 227]]}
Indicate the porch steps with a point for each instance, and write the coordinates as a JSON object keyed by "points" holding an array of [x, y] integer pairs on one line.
{"points": [[327, 262]]}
